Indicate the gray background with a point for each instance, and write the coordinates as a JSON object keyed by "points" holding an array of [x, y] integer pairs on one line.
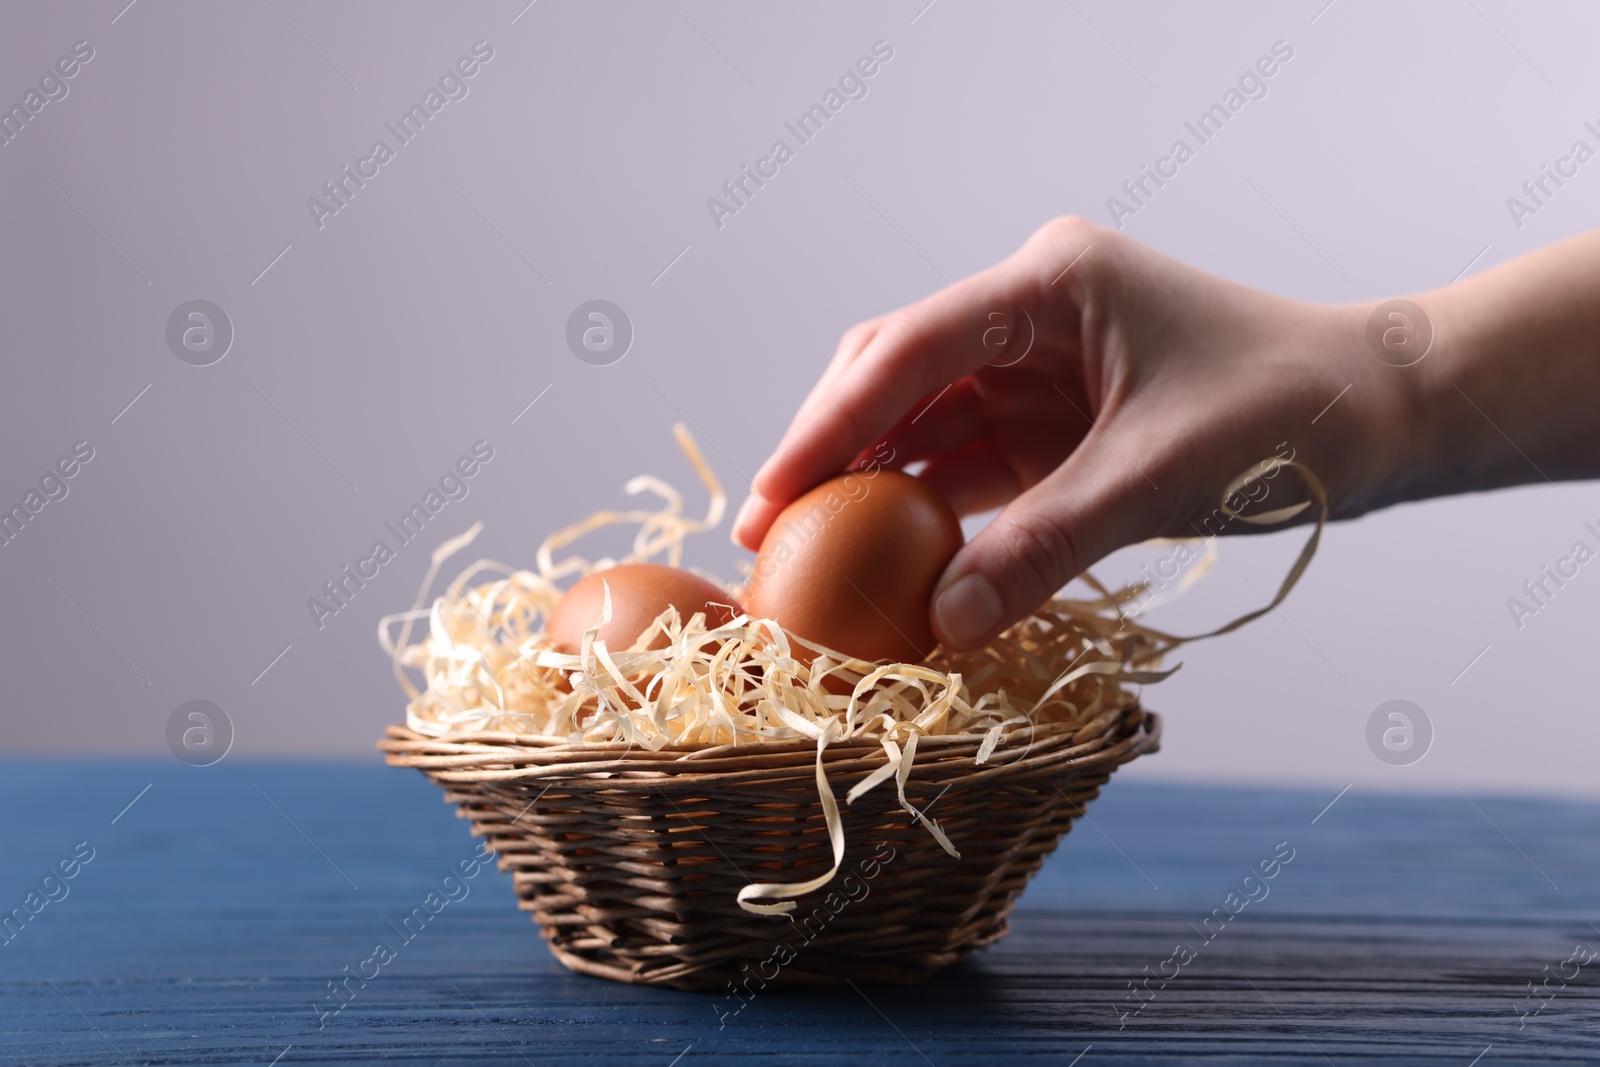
{"points": [[417, 322]]}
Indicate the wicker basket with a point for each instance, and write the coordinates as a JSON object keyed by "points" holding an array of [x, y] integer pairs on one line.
{"points": [[630, 860]]}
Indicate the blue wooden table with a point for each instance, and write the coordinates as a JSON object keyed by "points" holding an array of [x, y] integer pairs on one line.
{"points": [[210, 912]]}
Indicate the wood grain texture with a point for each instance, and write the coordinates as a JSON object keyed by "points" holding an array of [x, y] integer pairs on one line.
{"points": [[216, 910]]}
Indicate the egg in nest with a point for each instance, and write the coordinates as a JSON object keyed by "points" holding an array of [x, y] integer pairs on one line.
{"points": [[852, 565], [640, 592]]}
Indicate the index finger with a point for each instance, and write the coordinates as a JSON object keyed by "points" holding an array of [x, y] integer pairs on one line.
{"points": [[913, 354]]}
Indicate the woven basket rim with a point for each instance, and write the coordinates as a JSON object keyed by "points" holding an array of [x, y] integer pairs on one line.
{"points": [[489, 740], [486, 757]]}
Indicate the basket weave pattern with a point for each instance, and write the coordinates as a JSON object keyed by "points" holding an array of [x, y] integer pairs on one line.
{"points": [[630, 860]]}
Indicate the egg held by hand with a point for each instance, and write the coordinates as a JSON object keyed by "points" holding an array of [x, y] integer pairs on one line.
{"points": [[640, 592], [853, 563]]}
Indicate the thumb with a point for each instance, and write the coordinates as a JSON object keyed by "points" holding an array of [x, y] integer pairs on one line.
{"points": [[1084, 510]]}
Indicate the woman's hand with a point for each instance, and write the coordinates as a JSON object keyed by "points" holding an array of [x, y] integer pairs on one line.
{"points": [[1103, 394]]}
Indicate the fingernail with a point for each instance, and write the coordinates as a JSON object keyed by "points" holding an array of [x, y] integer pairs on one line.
{"points": [[742, 517], [968, 610]]}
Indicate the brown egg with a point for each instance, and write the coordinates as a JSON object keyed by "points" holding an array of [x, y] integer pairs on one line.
{"points": [[639, 593], [852, 565]]}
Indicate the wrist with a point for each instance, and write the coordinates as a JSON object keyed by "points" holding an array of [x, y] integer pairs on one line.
{"points": [[1372, 439]]}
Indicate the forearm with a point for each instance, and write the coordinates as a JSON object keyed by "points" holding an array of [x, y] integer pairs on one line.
{"points": [[1510, 391]]}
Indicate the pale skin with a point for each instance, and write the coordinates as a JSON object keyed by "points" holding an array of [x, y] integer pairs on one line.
{"points": [[1189, 379]]}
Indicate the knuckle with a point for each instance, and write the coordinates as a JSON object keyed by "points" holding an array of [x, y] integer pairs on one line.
{"points": [[857, 336], [1066, 241], [897, 340], [898, 328], [853, 422], [1070, 229], [1043, 550]]}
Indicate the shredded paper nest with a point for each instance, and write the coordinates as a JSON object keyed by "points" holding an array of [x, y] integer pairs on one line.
{"points": [[486, 665]]}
